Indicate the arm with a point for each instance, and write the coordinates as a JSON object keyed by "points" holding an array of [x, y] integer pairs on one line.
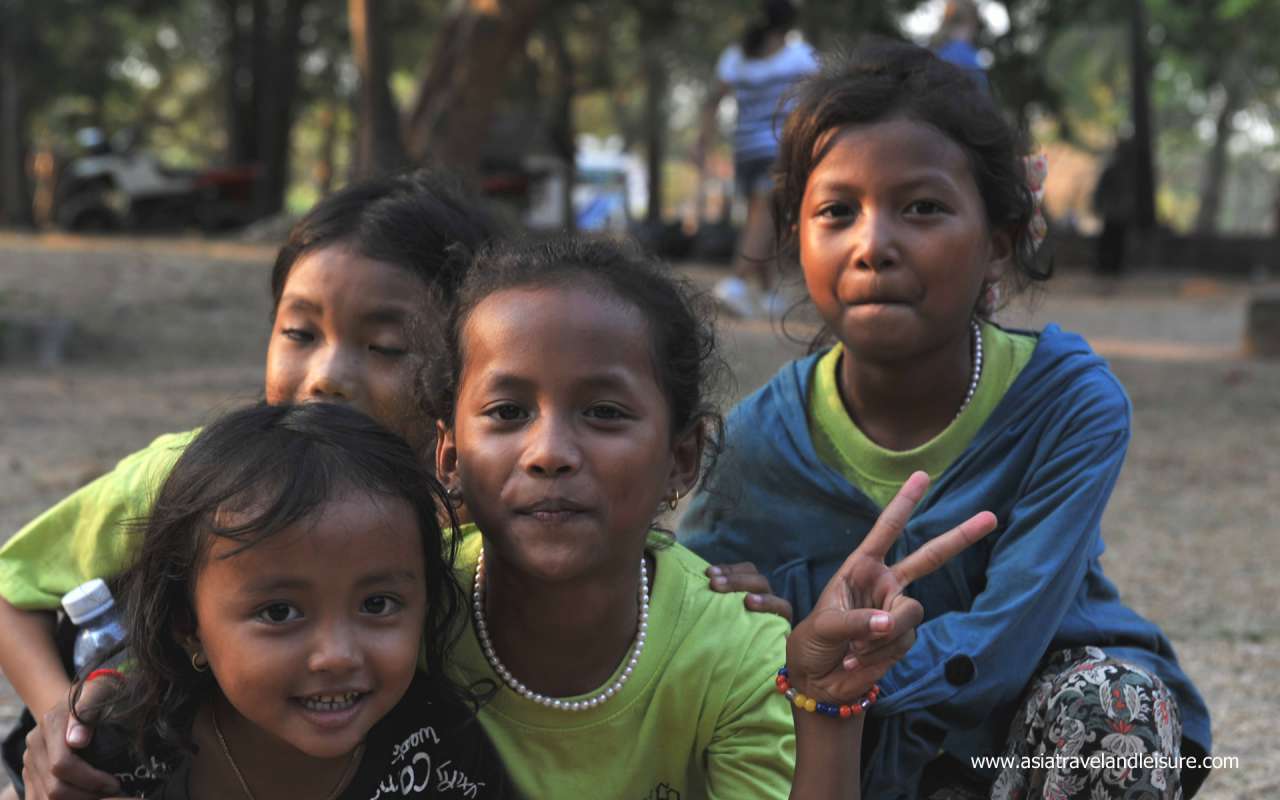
{"points": [[828, 757], [79, 538], [707, 124], [863, 607], [29, 658]]}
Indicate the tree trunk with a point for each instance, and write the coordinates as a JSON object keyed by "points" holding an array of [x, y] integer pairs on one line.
{"points": [[323, 172], [463, 81], [1215, 166], [563, 134], [379, 150], [15, 195], [238, 75], [655, 128], [1144, 212], [656, 17], [276, 88]]}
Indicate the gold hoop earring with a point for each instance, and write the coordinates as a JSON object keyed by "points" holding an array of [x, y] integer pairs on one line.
{"points": [[198, 661], [674, 499]]}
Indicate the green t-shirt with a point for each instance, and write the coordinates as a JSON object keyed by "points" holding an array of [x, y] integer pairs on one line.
{"points": [[880, 472], [84, 536], [699, 718]]}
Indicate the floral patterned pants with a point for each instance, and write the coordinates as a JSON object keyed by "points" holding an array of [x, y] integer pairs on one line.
{"points": [[1090, 728]]}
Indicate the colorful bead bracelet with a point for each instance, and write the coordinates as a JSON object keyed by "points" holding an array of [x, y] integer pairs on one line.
{"points": [[830, 709], [105, 673]]}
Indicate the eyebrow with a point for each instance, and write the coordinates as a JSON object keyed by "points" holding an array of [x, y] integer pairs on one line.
{"points": [[500, 381], [269, 585], [381, 315], [928, 179], [390, 576], [295, 303], [385, 315]]}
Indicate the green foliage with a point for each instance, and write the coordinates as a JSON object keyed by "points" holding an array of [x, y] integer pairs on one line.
{"points": [[158, 67]]}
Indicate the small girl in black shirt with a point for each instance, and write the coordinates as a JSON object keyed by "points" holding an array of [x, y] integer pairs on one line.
{"points": [[289, 616]]}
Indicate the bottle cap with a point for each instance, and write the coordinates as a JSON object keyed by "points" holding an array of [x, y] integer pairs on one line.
{"points": [[87, 601]]}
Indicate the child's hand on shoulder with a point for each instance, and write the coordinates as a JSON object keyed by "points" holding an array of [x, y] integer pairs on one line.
{"points": [[863, 623], [745, 577]]}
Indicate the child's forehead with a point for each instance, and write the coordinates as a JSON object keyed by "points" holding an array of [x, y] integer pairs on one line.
{"points": [[562, 307], [348, 519], [899, 147], [339, 270], [561, 330]]}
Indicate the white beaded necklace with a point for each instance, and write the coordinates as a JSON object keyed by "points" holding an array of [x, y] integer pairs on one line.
{"points": [[599, 698], [977, 368]]}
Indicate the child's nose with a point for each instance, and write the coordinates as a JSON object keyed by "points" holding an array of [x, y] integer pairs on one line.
{"points": [[550, 449], [334, 648], [877, 246], [332, 378]]}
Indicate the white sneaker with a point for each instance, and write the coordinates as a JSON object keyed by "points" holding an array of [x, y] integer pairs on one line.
{"points": [[735, 296], [775, 303]]}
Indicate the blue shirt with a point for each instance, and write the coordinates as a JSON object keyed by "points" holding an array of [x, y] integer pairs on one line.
{"points": [[759, 85], [1045, 463]]}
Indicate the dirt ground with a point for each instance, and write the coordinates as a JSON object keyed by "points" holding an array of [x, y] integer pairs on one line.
{"points": [[168, 333]]}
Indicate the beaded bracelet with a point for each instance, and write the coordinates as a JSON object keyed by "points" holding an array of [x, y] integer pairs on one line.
{"points": [[830, 709], [105, 673]]}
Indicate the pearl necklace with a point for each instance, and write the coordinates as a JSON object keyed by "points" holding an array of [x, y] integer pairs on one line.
{"points": [[599, 698], [977, 368]]}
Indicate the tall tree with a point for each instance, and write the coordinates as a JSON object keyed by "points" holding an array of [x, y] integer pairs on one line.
{"points": [[379, 149], [15, 198], [463, 81], [1144, 212], [656, 17], [277, 24]]}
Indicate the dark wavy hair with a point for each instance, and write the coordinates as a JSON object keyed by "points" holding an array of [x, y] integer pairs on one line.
{"points": [[884, 80], [686, 359], [421, 222], [276, 465], [776, 16]]}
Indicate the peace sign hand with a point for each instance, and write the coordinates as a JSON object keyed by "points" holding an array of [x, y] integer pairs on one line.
{"points": [[863, 623]]}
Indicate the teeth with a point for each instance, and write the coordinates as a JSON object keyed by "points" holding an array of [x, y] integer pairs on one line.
{"points": [[330, 702]]}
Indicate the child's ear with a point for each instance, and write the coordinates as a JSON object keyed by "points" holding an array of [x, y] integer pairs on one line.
{"points": [[446, 455], [1001, 254], [687, 459]]}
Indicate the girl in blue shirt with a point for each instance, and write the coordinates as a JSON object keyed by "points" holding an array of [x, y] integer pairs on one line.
{"points": [[902, 193]]}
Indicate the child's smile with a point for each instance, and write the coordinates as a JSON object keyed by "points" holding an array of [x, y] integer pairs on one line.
{"points": [[313, 634]]}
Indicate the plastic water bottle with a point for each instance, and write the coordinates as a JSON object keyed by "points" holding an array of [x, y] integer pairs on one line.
{"points": [[91, 607]]}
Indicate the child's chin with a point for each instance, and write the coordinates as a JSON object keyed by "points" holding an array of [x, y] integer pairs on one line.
{"points": [[327, 748]]}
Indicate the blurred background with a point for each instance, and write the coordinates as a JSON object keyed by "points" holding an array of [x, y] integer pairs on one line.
{"points": [[153, 154], [585, 113]]}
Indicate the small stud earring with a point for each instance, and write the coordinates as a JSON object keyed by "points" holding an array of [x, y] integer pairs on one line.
{"points": [[454, 494]]}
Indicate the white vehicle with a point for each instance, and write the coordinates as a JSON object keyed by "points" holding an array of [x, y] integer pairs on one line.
{"points": [[118, 187]]}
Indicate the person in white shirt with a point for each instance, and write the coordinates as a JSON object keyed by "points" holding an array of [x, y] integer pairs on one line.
{"points": [[757, 71]]}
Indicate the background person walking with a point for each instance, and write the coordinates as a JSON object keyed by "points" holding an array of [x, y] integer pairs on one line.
{"points": [[758, 71]]}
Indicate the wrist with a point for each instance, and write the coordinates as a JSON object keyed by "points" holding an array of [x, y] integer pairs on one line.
{"points": [[824, 704], [54, 692]]}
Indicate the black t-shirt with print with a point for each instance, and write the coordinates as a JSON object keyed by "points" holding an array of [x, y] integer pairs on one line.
{"points": [[425, 747]]}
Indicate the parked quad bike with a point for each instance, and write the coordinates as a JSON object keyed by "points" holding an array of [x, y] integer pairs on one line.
{"points": [[111, 190]]}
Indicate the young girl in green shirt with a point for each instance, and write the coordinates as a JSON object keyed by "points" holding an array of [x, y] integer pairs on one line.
{"points": [[345, 286]]}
